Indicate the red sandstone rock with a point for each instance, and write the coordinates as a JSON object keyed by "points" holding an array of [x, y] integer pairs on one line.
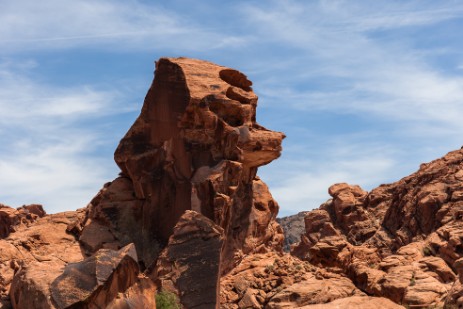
{"points": [[95, 281], [11, 219], [357, 302], [397, 241], [201, 220], [190, 265], [141, 295], [195, 146], [280, 281], [33, 256]]}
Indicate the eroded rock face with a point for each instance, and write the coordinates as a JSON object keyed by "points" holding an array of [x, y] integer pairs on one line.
{"points": [[403, 241], [195, 146], [188, 200], [12, 219], [33, 256], [97, 280], [277, 281], [357, 302], [190, 264]]}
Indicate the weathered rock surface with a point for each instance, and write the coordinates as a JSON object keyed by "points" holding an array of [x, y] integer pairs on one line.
{"points": [[402, 240], [13, 219], [141, 295], [97, 280], [356, 302], [278, 281], [190, 265], [195, 146], [293, 227], [32, 256]]}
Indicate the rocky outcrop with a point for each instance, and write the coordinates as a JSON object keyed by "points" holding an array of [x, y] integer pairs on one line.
{"points": [[190, 265], [97, 280], [13, 219], [293, 227], [33, 256], [402, 241], [195, 146], [186, 208], [356, 302], [278, 281]]}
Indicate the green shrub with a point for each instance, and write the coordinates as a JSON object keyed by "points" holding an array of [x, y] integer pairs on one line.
{"points": [[427, 251], [269, 268], [167, 300]]}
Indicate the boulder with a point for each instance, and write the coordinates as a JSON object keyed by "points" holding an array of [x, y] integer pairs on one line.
{"points": [[190, 264], [33, 256], [95, 281], [11, 219]]}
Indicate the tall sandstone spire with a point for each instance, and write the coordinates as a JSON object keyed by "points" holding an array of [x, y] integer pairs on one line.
{"points": [[195, 146]]}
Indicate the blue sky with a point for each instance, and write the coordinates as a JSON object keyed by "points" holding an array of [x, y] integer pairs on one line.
{"points": [[364, 90]]}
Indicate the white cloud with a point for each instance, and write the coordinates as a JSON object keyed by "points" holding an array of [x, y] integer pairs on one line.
{"points": [[303, 184], [116, 25], [46, 157], [381, 77], [336, 57]]}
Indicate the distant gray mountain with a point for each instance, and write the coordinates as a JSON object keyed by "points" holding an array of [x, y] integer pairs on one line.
{"points": [[293, 227]]}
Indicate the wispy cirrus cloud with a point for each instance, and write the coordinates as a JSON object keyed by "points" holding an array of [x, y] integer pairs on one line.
{"points": [[362, 73], [46, 156], [103, 24], [369, 64], [302, 183], [365, 91]]}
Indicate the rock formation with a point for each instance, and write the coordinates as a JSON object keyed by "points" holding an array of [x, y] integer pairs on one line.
{"points": [[12, 219], [191, 262], [403, 240], [189, 216], [96, 281], [195, 146], [187, 200], [33, 255], [293, 227]]}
